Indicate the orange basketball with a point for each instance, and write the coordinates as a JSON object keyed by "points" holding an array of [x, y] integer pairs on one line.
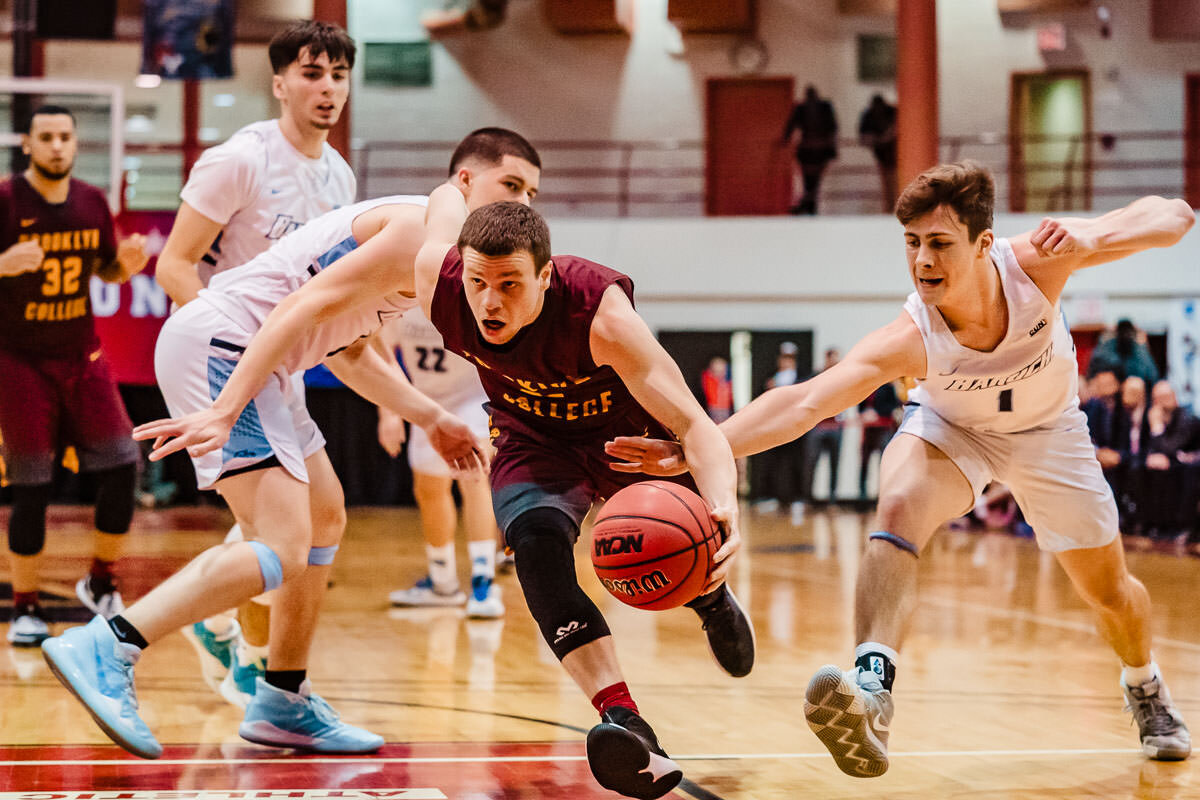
{"points": [[653, 544]]}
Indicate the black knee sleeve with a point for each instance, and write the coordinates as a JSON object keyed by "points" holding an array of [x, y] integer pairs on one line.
{"points": [[114, 498], [541, 540], [27, 525]]}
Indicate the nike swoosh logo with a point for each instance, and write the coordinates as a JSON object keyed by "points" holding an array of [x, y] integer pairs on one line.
{"points": [[878, 723]]}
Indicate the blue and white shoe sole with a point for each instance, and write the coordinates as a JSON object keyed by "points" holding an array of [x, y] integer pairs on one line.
{"points": [[70, 675], [262, 732]]}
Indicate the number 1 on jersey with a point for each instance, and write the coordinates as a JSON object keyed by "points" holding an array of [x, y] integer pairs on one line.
{"points": [[1006, 400]]}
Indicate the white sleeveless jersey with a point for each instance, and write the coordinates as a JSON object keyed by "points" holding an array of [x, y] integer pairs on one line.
{"points": [[1028, 381], [448, 378], [260, 188], [252, 291]]}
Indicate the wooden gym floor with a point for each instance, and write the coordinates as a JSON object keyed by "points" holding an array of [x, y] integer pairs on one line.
{"points": [[1004, 690]]}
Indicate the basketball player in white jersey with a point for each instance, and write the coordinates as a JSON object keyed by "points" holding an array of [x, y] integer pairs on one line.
{"points": [[453, 382], [265, 181], [315, 297], [995, 400]]}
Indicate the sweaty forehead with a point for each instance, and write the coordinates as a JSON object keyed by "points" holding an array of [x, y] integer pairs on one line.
{"points": [[941, 220], [51, 123], [478, 264]]}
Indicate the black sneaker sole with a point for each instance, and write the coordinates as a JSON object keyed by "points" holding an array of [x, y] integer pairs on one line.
{"points": [[619, 758]]}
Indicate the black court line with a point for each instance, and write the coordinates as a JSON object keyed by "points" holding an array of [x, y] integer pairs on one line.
{"points": [[698, 792]]}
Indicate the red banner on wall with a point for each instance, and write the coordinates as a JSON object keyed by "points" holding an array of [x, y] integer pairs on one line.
{"points": [[129, 315]]}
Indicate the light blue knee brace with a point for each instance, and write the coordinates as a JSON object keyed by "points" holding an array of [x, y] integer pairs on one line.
{"points": [[269, 565], [322, 556]]}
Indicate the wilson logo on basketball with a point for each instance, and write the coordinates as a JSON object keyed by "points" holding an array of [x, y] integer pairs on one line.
{"points": [[639, 584], [615, 545]]}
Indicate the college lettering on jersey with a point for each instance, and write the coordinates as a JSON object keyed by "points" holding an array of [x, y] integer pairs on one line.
{"points": [[1027, 371], [558, 400]]}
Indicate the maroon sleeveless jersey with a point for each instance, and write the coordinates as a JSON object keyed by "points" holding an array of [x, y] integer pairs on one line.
{"points": [[544, 377], [47, 312]]}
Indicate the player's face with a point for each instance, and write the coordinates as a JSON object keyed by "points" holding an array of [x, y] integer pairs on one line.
{"points": [[313, 91], [942, 259], [504, 292], [51, 145], [513, 179]]}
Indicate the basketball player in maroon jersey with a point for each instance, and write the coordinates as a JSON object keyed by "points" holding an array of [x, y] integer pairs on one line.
{"points": [[566, 362], [55, 233]]}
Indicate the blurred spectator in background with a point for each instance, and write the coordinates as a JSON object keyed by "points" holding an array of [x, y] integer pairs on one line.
{"points": [[1101, 406], [877, 130], [879, 415], [826, 438], [1167, 492], [718, 389], [813, 119], [788, 463], [1126, 354]]}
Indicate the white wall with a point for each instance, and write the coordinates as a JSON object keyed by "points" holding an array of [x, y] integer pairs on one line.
{"points": [[839, 276]]}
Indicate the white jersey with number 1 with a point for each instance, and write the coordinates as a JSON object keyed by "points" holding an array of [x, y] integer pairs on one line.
{"points": [[1028, 381], [260, 188]]}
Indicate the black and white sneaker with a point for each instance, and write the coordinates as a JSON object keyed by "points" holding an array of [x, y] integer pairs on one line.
{"points": [[624, 755], [730, 634], [28, 627]]}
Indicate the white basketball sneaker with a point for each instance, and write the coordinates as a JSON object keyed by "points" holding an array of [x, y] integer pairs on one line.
{"points": [[850, 712]]}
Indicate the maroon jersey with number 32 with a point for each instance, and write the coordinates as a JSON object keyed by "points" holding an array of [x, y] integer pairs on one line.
{"points": [[47, 312]]}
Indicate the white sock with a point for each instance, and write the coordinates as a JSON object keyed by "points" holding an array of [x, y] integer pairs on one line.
{"points": [[249, 653], [222, 626], [1136, 676], [483, 558], [442, 569], [876, 647]]}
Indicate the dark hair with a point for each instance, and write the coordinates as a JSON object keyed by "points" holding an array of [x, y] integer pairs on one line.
{"points": [[319, 37], [502, 229], [491, 145], [47, 110], [965, 186]]}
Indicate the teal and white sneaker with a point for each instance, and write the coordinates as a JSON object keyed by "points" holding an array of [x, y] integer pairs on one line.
{"points": [[850, 712], [304, 721], [214, 650], [424, 593], [98, 670], [485, 601], [1164, 735], [241, 680]]}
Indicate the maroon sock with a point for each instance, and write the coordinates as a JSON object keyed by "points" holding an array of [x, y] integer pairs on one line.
{"points": [[25, 599], [615, 695], [102, 572]]}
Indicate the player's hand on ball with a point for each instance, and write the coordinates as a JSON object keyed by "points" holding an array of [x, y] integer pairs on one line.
{"points": [[200, 433], [1060, 237], [652, 456], [727, 519], [21, 258], [456, 444]]}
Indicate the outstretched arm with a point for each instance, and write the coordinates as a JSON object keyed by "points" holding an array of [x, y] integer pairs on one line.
{"points": [[444, 218], [788, 412], [1061, 245], [369, 368], [621, 339], [364, 274]]}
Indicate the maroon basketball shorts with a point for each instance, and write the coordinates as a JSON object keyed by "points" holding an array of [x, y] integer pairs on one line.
{"points": [[46, 404], [537, 469]]}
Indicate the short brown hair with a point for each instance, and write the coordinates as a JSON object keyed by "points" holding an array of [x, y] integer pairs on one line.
{"points": [[502, 229], [491, 145], [965, 186], [319, 37]]}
